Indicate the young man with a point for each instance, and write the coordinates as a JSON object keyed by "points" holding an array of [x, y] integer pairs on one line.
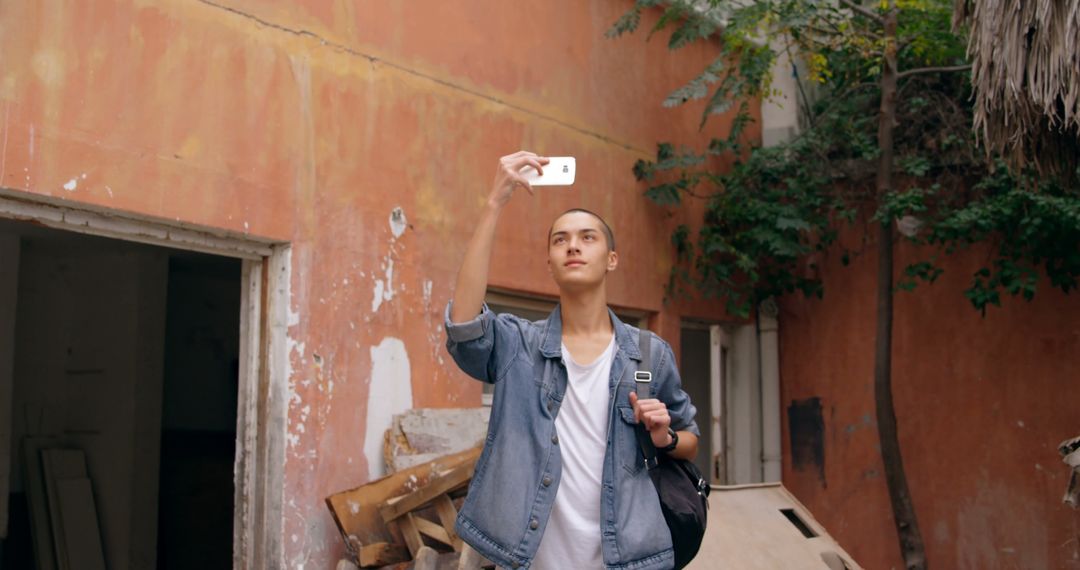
{"points": [[561, 483]]}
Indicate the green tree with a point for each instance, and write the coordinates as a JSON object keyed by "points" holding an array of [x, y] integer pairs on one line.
{"points": [[886, 149]]}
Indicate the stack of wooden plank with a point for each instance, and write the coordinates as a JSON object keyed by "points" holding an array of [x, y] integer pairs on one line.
{"points": [[406, 520]]}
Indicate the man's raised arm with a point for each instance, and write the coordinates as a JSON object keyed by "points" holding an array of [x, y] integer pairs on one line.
{"points": [[472, 278]]}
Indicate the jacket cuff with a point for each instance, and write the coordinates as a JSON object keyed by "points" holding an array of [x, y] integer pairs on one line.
{"points": [[468, 330]]}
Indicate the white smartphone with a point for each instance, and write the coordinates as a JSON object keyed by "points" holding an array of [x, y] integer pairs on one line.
{"points": [[559, 171]]}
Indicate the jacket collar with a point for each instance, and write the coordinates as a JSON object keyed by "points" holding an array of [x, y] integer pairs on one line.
{"points": [[552, 342]]}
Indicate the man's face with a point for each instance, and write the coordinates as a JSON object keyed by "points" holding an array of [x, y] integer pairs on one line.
{"points": [[578, 254]]}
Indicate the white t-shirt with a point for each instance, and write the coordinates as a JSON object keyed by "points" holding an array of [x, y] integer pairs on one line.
{"points": [[572, 536]]}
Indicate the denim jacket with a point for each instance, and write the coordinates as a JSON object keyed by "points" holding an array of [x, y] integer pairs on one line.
{"points": [[515, 480]]}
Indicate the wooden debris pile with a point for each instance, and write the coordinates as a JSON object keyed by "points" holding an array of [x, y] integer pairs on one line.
{"points": [[406, 520]]}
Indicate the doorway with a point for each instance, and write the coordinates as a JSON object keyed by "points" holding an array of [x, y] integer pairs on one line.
{"points": [[731, 373], [230, 436], [126, 356], [701, 367]]}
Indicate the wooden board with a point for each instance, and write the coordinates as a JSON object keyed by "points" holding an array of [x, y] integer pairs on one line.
{"points": [[382, 553], [436, 486], [748, 529], [411, 533], [82, 535], [444, 507], [58, 465], [38, 501], [356, 511], [430, 529]]}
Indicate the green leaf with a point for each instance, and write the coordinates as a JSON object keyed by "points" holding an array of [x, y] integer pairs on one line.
{"points": [[664, 194], [692, 30], [627, 23], [696, 88]]}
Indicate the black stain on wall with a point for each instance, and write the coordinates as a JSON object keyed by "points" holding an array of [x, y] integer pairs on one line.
{"points": [[807, 433]]}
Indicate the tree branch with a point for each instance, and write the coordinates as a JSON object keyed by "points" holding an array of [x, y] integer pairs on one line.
{"points": [[919, 70], [863, 10]]}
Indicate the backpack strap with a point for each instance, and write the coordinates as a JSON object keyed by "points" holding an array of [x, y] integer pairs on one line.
{"points": [[643, 388]]}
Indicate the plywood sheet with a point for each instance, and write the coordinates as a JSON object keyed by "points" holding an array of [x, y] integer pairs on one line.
{"points": [[78, 515], [40, 528], [60, 464]]}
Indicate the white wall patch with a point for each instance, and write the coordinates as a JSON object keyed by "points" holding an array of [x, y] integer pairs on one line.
{"points": [[389, 393], [384, 288]]}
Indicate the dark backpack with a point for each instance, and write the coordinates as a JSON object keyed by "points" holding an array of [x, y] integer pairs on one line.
{"points": [[684, 493]]}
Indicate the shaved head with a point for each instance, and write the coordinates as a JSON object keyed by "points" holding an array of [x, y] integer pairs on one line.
{"points": [[608, 234]]}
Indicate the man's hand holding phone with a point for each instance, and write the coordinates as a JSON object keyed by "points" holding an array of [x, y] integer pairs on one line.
{"points": [[508, 175], [560, 171]]}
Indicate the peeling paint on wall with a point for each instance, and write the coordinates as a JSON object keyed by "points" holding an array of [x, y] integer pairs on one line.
{"points": [[389, 393], [427, 294], [398, 222], [294, 348], [384, 287], [72, 184]]}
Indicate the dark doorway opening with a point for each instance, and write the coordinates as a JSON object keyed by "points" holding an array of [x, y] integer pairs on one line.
{"points": [[128, 354]]}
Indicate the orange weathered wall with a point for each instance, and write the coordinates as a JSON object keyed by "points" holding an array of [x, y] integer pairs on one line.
{"points": [[308, 123], [981, 403]]}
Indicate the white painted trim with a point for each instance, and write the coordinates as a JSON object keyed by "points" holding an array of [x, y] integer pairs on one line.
{"points": [[769, 345], [128, 227], [718, 453], [268, 526], [744, 408], [247, 414], [264, 360]]}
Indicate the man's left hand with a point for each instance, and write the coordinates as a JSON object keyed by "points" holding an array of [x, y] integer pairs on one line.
{"points": [[655, 415]]}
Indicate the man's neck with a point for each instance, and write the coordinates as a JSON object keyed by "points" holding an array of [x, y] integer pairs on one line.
{"points": [[585, 313]]}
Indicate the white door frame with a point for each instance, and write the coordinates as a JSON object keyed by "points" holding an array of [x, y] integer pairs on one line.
{"points": [[263, 386], [719, 371], [745, 399]]}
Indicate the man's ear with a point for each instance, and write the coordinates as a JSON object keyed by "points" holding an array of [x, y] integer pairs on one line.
{"points": [[613, 261]]}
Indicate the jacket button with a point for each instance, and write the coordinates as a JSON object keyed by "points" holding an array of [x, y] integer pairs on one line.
{"points": [[534, 524], [515, 565], [555, 439], [546, 481]]}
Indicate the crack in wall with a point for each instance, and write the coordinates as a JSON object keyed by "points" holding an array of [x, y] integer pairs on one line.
{"points": [[402, 68]]}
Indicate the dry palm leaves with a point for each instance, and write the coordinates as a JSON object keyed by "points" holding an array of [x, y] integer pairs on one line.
{"points": [[1026, 77]]}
